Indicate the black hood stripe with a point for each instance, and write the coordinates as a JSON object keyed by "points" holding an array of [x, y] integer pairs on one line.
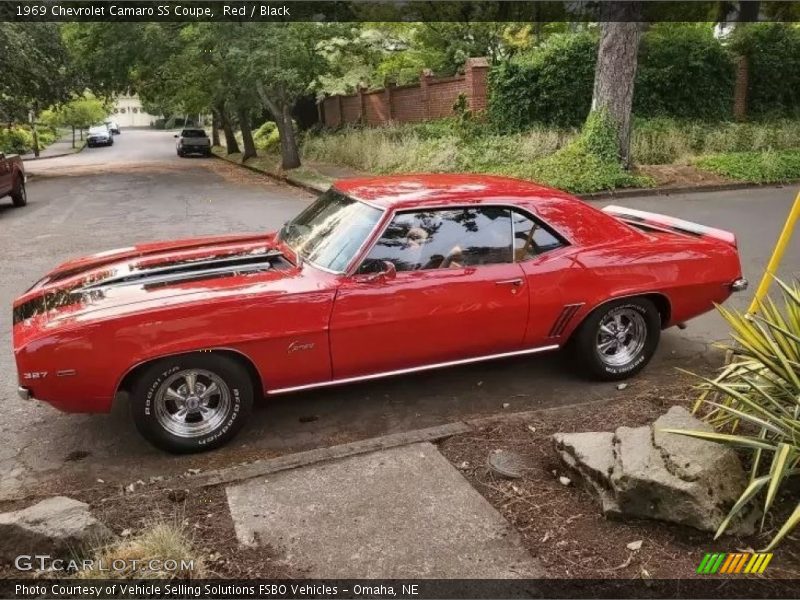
{"points": [[174, 273]]}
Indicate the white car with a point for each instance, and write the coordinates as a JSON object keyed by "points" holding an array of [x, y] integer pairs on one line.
{"points": [[113, 127]]}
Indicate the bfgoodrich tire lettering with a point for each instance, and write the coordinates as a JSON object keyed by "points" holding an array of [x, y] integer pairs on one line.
{"points": [[192, 402], [618, 339]]}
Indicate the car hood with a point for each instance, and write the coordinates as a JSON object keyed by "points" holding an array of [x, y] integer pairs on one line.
{"points": [[155, 274]]}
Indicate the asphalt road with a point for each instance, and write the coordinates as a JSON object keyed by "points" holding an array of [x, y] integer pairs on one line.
{"points": [[139, 190]]}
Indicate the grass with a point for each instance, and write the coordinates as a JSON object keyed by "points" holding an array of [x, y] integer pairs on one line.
{"points": [[770, 166], [152, 549], [443, 146]]}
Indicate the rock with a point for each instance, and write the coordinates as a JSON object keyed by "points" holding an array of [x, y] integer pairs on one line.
{"points": [[57, 526], [645, 472], [564, 480], [635, 545]]}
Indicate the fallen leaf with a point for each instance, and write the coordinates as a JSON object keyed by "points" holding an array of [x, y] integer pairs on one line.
{"points": [[125, 532], [622, 386]]}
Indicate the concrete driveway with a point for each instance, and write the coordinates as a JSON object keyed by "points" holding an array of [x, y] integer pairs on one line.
{"points": [[139, 190]]}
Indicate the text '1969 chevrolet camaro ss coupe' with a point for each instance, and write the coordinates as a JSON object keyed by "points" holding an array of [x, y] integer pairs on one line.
{"points": [[379, 276]]}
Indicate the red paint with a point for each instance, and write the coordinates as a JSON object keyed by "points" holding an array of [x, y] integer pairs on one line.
{"points": [[345, 326]]}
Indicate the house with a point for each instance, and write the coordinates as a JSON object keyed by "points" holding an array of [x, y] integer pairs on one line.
{"points": [[128, 112]]}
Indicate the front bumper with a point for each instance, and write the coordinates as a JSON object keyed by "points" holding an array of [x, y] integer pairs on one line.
{"points": [[24, 393], [739, 285]]}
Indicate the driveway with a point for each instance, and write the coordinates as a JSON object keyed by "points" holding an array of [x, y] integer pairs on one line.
{"points": [[139, 190]]}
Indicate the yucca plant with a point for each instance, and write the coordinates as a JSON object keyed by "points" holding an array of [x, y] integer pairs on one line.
{"points": [[754, 403]]}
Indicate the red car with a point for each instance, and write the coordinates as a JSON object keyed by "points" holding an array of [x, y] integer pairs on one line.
{"points": [[380, 276]]}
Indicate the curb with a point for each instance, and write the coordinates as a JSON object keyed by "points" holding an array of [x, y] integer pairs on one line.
{"points": [[259, 468], [76, 151], [283, 179], [688, 189]]}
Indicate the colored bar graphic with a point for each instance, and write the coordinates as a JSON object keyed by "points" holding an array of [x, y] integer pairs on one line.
{"points": [[734, 563]]}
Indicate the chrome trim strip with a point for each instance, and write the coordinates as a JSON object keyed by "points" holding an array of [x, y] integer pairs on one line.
{"points": [[430, 367]]}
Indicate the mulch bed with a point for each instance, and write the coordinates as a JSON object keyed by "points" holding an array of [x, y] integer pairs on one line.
{"points": [[203, 513], [562, 525]]}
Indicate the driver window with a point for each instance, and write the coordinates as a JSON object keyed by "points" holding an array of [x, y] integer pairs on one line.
{"points": [[444, 239]]}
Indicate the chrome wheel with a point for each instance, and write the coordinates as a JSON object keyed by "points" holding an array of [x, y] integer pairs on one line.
{"points": [[621, 336], [192, 403]]}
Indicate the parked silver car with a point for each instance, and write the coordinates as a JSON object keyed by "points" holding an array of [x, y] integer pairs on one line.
{"points": [[193, 141]]}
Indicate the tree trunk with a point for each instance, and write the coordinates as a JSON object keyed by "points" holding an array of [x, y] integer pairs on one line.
{"points": [[290, 155], [73, 136], [617, 59], [247, 135], [230, 139], [214, 128]]}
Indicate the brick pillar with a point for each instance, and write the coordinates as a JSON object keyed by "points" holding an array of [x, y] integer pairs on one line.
{"points": [[476, 72], [362, 103], [424, 86], [388, 98], [740, 88]]}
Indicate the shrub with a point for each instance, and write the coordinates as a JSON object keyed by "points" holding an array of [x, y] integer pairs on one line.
{"points": [[588, 164], [267, 137], [553, 84], [753, 403], [758, 167], [684, 72], [16, 140]]}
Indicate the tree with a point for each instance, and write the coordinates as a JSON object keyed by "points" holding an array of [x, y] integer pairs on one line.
{"points": [[80, 113], [615, 73], [282, 60], [36, 72]]}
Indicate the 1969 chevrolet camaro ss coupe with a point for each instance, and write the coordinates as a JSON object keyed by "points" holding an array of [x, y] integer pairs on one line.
{"points": [[379, 276]]}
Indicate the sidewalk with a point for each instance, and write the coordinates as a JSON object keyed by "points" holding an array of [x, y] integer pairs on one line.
{"points": [[62, 147]]}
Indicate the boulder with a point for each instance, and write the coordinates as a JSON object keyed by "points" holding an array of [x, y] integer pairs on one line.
{"points": [[58, 526], [645, 472]]}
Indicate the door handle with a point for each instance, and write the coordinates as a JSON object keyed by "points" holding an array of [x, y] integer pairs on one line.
{"points": [[515, 282]]}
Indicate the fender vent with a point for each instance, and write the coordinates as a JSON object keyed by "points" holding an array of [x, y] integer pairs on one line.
{"points": [[563, 319]]}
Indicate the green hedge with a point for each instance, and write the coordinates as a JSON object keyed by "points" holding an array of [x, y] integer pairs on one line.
{"points": [[684, 72], [551, 85], [773, 53]]}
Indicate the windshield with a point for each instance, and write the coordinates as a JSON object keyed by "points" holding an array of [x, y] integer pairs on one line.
{"points": [[193, 133], [330, 231], [98, 130]]}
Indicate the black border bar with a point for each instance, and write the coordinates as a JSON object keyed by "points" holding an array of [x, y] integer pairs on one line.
{"points": [[376, 10]]}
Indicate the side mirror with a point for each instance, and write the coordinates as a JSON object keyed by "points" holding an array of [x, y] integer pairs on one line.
{"points": [[176, 135], [388, 272]]}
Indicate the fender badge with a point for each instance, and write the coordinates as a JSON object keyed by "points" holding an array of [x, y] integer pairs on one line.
{"points": [[299, 346], [66, 373]]}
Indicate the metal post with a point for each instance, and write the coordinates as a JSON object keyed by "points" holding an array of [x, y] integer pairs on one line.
{"points": [[777, 254]]}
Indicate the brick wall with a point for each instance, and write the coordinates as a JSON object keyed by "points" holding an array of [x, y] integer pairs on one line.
{"points": [[432, 98]]}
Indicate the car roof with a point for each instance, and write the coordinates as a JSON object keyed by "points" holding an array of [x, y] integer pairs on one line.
{"points": [[574, 219], [410, 191]]}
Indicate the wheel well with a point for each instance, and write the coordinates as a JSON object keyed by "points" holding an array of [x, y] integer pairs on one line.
{"points": [[663, 306], [126, 385], [660, 301]]}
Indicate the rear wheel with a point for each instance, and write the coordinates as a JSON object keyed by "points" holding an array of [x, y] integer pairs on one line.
{"points": [[192, 402], [19, 196], [618, 339]]}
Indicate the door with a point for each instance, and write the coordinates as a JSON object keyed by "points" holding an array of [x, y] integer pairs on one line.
{"points": [[5, 175], [455, 292]]}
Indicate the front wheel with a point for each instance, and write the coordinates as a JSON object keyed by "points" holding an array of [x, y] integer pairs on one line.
{"points": [[618, 339], [192, 402], [19, 196]]}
